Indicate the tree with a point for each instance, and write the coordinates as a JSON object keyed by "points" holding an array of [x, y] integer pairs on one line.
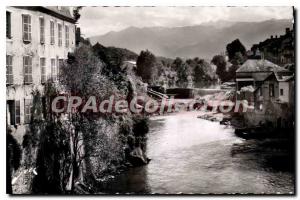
{"points": [[238, 59], [203, 73], [220, 62], [46, 146], [13, 158], [183, 73], [76, 13], [199, 76], [146, 66], [235, 47], [87, 133], [177, 63], [67, 148]]}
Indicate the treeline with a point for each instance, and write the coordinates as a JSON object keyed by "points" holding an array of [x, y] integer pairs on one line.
{"points": [[159, 71], [174, 73], [194, 72]]}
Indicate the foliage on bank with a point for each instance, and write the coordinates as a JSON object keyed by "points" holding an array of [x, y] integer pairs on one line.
{"points": [[70, 153]]}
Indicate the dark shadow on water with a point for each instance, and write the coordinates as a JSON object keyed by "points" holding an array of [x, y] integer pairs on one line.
{"points": [[121, 184], [273, 153]]}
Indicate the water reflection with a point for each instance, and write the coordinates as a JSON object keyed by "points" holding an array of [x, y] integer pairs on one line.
{"points": [[191, 155]]}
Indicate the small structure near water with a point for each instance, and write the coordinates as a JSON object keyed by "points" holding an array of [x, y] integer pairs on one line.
{"points": [[269, 90]]}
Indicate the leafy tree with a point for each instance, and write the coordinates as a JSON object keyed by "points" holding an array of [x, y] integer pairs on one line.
{"points": [[146, 66], [183, 73], [87, 134], [177, 64], [220, 62], [199, 75], [76, 13], [13, 158], [46, 146], [238, 59], [113, 57], [203, 73], [235, 47]]}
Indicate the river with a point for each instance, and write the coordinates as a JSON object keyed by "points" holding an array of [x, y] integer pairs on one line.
{"points": [[195, 156]]}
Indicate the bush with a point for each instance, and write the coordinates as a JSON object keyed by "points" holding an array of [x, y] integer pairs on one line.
{"points": [[140, 126]]}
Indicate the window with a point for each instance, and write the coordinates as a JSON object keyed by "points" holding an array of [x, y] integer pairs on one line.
{"points": [[67, 36], [27, 64], [43, 70], [17, 112], [9, 70], [271, 90], [13, 112], [59, 35], [26, 28], [8, 24], [27, 111], [60, 64], [281, 92], [53, 70], [42, 30], [52, 39]]}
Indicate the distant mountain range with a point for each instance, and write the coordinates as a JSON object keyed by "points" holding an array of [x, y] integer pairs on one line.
{"points": [[203, 41]]}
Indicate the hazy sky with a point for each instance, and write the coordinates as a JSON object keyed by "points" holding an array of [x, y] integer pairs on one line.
{"points": [[100, 20]]}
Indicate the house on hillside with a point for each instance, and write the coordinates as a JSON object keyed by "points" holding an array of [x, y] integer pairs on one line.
{"points": [[129, 65], [252, 74], [38, 40]]}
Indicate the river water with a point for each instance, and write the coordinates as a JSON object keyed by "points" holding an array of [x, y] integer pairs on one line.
{"points": [[195, 156]]}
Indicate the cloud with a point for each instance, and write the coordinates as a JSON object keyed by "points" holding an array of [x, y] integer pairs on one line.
{"points": [[100, 20]]}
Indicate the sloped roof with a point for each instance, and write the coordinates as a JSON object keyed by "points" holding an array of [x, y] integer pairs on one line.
{"points": [[62, 10], [253, 65], [284, 77], [281, 76]]}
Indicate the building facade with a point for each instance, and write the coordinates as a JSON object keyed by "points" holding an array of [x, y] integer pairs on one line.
{"points": [[38, 40], [279, 50], [252, 73], [274, 101]]}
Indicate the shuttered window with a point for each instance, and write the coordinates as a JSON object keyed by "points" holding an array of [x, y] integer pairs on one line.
{"points": [[27, 111], [27, 64], [26, 28], [43, 70], [60, 64], [8, 24], [42, 30], [53, 70], [67, 35], [17, 112], [52, 39], [59, 35], [9, 70]]}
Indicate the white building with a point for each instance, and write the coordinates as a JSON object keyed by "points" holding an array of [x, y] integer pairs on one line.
{"points": [[38, 39]]}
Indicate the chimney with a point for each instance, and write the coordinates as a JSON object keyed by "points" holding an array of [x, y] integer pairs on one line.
{"points": [[287, 30], [271, 36], [276, 36]]}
